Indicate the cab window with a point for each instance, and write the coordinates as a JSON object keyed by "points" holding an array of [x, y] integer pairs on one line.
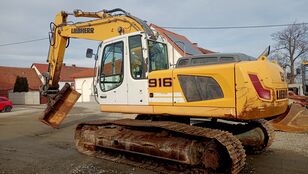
{"points": [[112, 66], [158, 56], [138, 66], [183, 62]]}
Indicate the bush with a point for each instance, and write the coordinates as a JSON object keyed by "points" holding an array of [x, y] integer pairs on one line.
{"points": [[21, 84]]}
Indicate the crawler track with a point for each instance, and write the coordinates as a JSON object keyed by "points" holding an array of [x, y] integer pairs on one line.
{"points": [[232, 161], [267, 132], [269, 136]]}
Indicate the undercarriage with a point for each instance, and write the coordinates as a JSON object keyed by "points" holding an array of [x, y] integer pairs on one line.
{"points": [[256, 135], [172, 147], [162, 146]]}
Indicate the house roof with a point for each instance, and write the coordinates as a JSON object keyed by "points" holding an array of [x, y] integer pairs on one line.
{"points": [[84, 73], [66, 71], [8, 77], [205, 51], [108, 70], [179, 42]]}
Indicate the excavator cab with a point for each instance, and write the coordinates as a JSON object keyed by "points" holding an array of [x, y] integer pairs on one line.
{"points": [[124, 64]]}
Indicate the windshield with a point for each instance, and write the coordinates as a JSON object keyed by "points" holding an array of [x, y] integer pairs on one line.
{"points": [[158, 56]]}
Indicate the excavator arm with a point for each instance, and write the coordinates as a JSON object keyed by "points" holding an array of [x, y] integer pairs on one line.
{"points": [[103, 25]]}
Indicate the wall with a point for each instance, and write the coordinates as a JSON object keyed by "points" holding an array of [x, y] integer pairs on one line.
{"points": [[61, 84], [4, 93], [173, 54], [84, 87], [30, 98]]}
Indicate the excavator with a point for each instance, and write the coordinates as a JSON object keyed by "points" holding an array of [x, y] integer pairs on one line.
{"points": [[201, 116]]}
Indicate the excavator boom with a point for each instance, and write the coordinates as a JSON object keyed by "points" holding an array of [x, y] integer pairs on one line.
{"points": [[106, 24]]}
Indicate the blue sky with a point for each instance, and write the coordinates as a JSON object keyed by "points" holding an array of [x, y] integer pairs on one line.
{"points": [[26, 20]]}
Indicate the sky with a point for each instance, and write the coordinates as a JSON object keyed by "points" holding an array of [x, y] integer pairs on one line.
{"points": [[27, 20]]}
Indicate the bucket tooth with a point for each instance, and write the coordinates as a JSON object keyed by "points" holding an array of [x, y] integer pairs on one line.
{"points": [[59, 106]]}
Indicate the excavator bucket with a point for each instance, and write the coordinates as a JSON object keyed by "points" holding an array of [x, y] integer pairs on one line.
{"points": [[294, 120], [59, 106]]}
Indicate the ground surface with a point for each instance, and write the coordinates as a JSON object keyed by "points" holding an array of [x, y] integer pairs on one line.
{"points": [[28, 146]]}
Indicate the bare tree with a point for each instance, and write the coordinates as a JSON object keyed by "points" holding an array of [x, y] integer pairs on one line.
{"points": [[291, 46]]}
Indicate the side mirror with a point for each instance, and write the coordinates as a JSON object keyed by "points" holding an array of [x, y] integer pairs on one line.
{"points": [[89, 53]]}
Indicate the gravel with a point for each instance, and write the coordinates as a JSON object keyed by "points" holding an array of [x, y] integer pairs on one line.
{"points": [[297, 142]]}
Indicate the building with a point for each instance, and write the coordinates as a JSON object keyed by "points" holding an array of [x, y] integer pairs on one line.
{"points": [[80, 78], [8, 77], [84, 84], [65, 76], [204, 51], [179, 45]]}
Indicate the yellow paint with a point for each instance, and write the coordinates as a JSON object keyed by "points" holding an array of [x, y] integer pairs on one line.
{"points": [[305, 63], [223, 74], [165, 90], [56, 52], [240, 97], [105, 28], [216, 112], [249, 105], [170, 110]]}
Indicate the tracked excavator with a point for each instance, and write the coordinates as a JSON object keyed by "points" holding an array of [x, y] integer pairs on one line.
{"points": [[197, 117]]}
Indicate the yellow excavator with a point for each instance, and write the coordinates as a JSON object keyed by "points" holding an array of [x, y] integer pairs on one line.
{"points": [[197, 117]]}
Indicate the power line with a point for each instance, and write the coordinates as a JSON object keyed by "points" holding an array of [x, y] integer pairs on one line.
{"points": [[233, 27], [22, 42], [185, 28]]}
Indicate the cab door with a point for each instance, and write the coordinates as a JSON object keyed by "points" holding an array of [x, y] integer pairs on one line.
{"points": [[112, 88], [137, 82]]}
